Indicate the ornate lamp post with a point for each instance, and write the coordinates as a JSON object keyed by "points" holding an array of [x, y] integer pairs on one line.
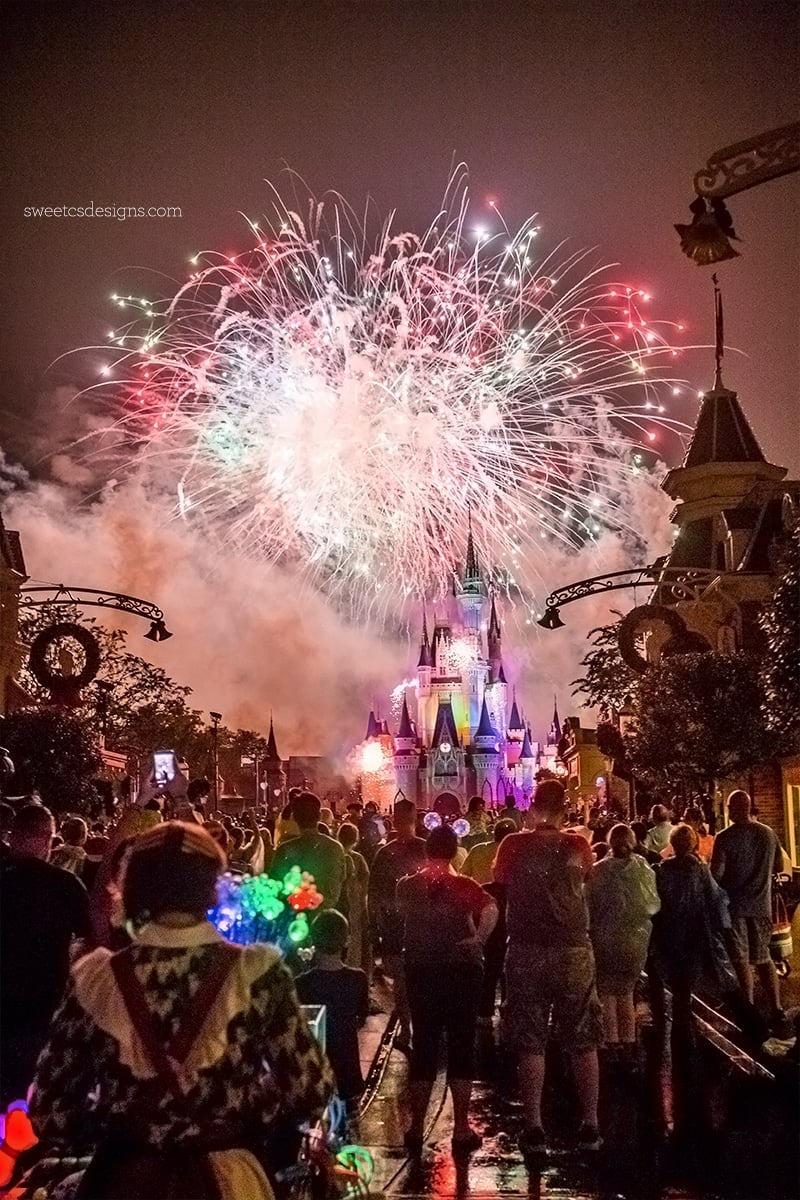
{"points": [[625, 718], [215, 720], [104, 690]]}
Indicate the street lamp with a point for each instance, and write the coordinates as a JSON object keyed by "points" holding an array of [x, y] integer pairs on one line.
{"points": [[625, 719], [215, 720], [104, 690]]}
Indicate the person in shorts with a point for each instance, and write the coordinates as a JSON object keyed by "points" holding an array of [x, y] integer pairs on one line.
{"points": [[745, 857], [550, 971]]}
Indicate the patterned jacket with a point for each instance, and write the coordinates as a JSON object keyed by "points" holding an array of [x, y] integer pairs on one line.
{"points": [[254, 1062]]}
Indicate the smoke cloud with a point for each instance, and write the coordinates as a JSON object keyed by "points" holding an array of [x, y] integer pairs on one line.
{"points": [[252, 639]]}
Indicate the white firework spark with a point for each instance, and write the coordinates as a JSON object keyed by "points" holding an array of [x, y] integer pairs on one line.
{"points": [[342, 404]]}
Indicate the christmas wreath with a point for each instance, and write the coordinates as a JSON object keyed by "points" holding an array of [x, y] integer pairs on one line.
{"points": [[639, 619], [64, 689]]}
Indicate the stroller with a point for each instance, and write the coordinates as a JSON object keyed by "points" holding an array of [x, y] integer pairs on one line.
{"points": [[780, 943]]}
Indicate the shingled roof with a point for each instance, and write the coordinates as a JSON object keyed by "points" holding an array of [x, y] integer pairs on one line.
{"points": [[722, 433]]}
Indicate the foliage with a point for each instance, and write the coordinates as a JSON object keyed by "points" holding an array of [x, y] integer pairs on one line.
{"points": [[608, 681], [780, 671], [699, 718], [55, 753], [609, 741], [140, 708], [136, 704]]}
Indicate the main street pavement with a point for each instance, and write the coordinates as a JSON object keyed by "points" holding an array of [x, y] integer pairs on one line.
{"points": [[728, 1130]]}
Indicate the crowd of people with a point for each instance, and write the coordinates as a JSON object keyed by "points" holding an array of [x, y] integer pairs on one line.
{"points": [[195, 1052]]}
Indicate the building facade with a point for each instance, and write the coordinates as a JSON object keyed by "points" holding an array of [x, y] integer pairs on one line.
{"points": [[12, 577], [733, 510]]}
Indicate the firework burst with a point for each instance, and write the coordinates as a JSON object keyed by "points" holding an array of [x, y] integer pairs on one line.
{"points": [[340, 403]]}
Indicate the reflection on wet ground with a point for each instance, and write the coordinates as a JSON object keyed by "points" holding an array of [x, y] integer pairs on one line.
{"points": [[645, 1156]]}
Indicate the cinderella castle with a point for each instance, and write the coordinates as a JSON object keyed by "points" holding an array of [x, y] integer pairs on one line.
{"points": [[461, 740]]}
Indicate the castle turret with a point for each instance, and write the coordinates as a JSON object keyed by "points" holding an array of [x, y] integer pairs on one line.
{"points": [[373, 726], [527, 761], [554, 733], [425, 703], [494, 638], [471, 593], [486, 754], [406, 756], [274, 774], [516, 728], [472, 600]]}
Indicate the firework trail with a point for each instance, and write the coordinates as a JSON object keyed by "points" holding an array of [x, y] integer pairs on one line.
{"points": [[340, 403]]}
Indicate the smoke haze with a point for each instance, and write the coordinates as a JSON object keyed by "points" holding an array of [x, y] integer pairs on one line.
{"points": [[251, 638]]}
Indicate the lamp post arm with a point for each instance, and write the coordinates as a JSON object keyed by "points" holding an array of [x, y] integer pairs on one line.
{"points": [[749, 163], [675, 583], [32, 597]]}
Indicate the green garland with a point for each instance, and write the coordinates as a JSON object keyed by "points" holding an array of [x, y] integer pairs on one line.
{"points": [[63, 687]]}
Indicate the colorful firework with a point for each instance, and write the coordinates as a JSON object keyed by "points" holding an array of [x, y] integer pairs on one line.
{"points": [[342, 404]]}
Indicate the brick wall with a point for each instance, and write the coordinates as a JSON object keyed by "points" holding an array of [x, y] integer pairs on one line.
{"points": [[765, 785]]}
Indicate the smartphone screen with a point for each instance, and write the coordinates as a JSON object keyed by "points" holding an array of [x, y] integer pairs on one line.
{"points": [[164, 768]]}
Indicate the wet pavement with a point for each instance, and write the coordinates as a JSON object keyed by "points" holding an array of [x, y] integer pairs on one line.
{"points": [[645, 1155]]}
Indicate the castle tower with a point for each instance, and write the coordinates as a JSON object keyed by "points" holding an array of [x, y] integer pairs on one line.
{"points": [[406, 756], [527, 761], [471, 592], [374, 762], [425, 715], [446, 754], [496, 687], [274, 774], [494, 638], [486, 755], [516, 728], [554, 733], [471, 596]]}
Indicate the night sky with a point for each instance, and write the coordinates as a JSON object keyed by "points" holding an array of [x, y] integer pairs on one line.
{"points": [[596, 115]]}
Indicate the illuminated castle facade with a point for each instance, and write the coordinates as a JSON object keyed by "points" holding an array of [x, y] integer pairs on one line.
{"points": [[458, 737]]}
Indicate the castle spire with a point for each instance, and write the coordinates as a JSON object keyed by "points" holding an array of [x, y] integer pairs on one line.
{"points": [[425, 651], [486, 736], [373, 726], [494, 621], [406, 729], [272, 747], [471, 579], [554, 736]]}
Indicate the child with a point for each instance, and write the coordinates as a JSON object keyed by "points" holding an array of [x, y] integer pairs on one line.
{"points": [[344, 992]]}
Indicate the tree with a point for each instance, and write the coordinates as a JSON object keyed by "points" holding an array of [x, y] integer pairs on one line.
{"points": [[55, 753], [780, 671], [135, 704], [699, 718], [608, 680], [139, 708]]}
